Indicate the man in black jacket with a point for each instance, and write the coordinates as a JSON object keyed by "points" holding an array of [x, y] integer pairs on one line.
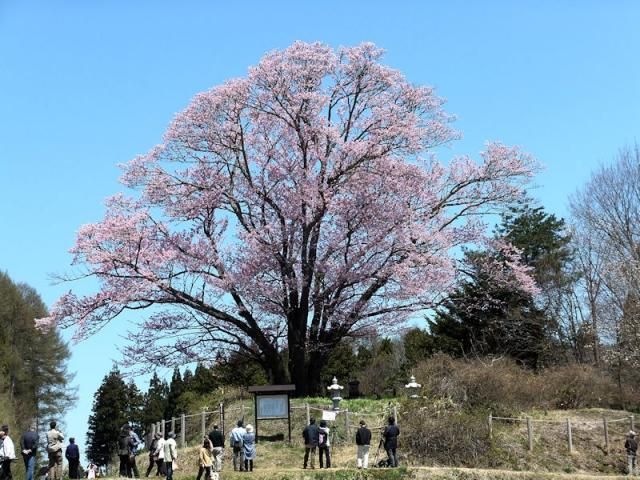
{"points": [[72, 455], [390, 435], [363, 441], [29, 447], [310, 435], [217, 443]]}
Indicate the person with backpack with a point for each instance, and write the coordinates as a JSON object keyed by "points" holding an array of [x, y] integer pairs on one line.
{"points": [[217, 441], [54, 451], [134, 444], [363, 442], [236, 440], [324, 444], [631, 446], [72, 454], [124, 451], [310, 435], [390, 435]]}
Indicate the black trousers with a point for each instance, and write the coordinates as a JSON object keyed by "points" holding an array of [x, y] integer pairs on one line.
{"points": [[248, 465], [73, 467], [133, 468], [125, 466], [5, 473], [393, 457], [206, 471], [324, 451]]}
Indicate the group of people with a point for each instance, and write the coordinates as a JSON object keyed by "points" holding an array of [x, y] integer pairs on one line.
{"points": [[317, 438], [29, 449]]}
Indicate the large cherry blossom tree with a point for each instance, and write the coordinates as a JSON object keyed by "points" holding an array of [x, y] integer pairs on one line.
{"points": [[286, 211]]}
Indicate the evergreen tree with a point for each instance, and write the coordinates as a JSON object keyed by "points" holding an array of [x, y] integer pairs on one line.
{"points": [[155, 401], [204, 380], [111, 410], [176, 388]]}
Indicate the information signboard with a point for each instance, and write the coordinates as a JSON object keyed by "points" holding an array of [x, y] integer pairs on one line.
{"points": [[272, 406]]}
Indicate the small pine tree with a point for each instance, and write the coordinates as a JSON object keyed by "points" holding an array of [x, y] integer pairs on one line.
{"points": [[109, 413]]}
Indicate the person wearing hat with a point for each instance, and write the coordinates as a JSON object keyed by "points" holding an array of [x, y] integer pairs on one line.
{"points": [[235, 439], [631, 446], [72, 454], [170, 454], [217, 442], [249, 447], [8, 453], [153, 455], [363, 441], [310, 435]]}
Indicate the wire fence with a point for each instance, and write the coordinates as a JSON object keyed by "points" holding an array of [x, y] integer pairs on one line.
{"points": [[191, 428]]}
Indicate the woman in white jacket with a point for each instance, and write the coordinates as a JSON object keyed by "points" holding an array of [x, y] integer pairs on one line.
{"points": [[8, 453], [159, 456]]}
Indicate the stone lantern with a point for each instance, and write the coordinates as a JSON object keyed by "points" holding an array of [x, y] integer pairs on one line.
{"points": [[412, 387], [334, 392]]}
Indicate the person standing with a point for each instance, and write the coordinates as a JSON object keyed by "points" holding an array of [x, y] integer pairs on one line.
{"points": [[170, 454], [204, 460], [310, 435], [363, 442], [631, 446], [54, 451], [235, 439], [72, 455], [324, 444], [160, 455], [134, 444], [249, 447], [91, 471], [8, 453], [124, 450], [390, 435], [29, 447], [153, 454], [217, 441]]}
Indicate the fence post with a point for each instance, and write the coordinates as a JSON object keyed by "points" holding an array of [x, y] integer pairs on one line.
{"points": [[182, 431], [395, 413], [203, 423], [308, 413], [530, 433], [569, 437], [173, 424], [153, 430], [222, 417], [346, 424], [242, 406], [606, 434], [632, 422], [490, 426]]}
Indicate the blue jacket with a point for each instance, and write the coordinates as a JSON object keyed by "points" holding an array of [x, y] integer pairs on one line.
{"points": [[72, 452]]}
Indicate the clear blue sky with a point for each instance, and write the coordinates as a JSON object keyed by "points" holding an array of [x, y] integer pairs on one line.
{"points": [[85, 85]]}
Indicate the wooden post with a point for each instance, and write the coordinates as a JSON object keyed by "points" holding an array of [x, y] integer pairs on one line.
{"points": [[182, 431], [606, 434], [242, 406], [222, 418], [530, 433], [173, 424], [632, 422], [490, 426], [203, 423], [346, 424], [308, 413], [395, 413], [153, 431], [569, 437]]}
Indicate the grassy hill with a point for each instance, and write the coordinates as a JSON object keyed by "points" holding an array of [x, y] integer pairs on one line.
{"points": [[506, 454]]}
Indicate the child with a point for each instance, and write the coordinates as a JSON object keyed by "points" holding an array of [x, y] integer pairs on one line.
{"points": [[324, 444], [205, 460], [91, 472]]}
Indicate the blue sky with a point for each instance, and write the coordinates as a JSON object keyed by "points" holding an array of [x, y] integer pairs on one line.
{"points": [[87, 85]]}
